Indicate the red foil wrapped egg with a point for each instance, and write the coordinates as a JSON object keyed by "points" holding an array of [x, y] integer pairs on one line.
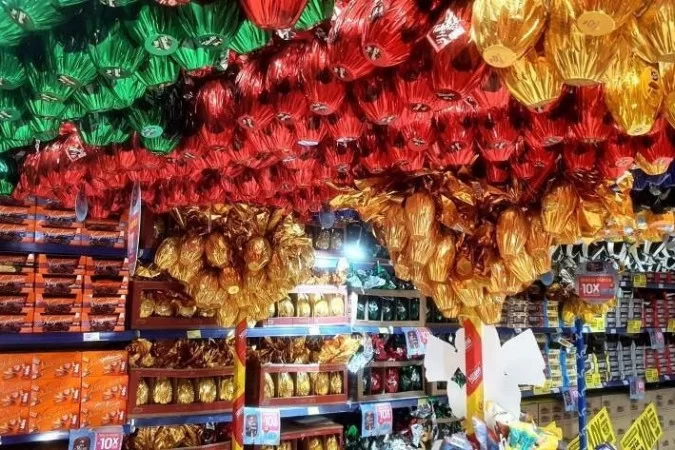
{"points": [[273, 14], [324, 91], [344, 42]]}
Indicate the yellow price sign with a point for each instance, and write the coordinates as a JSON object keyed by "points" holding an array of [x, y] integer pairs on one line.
{"points": [[593, 381], [671, 326], [645, 432], [597, 324], [652, 375], [193, 334], [634, 326], [543, 390], [598, 431], [639, 280]]}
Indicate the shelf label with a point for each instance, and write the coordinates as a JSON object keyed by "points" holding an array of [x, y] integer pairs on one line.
{"points": [[639, 280], [193, 334], [593, 381], [314, 330], [105, 438], [384, 330], [597, 324], [376, 419], [634, 326], [599, 430], [645, 432], [671, 326], [543, 390], [262, 426], [652, 375], [312, 410], [91, 337]]}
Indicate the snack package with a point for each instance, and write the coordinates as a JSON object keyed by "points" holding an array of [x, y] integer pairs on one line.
{"points": [[54, 404], [59, 304], [44, 322], [58, 284], [56, 365], [10, 232], [15, 366], [60, 265], [103, 413], [14, 324], [105, 388], [104, 363], [15, 393], [17, 263], [107, 267], [17, 283], [17, 214], [61, 236], [102, 322], [106, 286], [103, 238], [16, 304]]}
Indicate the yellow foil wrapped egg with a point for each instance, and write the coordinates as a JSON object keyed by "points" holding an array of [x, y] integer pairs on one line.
{"points": [[601, 17], [420, 211], [218, 251], [168, 253], [667, 71], [505, 29], [533, 80], [441, 262], [653, 32], [557, 207], [257, 253], [511, 233]]}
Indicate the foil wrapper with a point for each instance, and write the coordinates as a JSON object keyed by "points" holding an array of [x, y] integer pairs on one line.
{"points": [[285, 386], [185, 391], [207, 390], [162, 391]]}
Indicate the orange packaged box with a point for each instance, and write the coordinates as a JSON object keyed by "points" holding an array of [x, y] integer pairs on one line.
{"points": [[59, 304], [107, 363], [106, 388], [110, 224], [53, 235], [14, 420], [16, 366], [16, 283], [54, 404], [17, 214], [105, 305], [103, 238], [53, 215], [18, 323], [106, 286], [56, 365], [10, 232], [44, 322], [103, 322], [107, 267], [58, 284], [98, 414], [16, 304], [61, 265], [15, 393], [17, 263]]}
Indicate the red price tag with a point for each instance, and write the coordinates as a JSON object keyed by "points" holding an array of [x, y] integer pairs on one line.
{"points": [[270, 421], [108, 440], [596, 288]]}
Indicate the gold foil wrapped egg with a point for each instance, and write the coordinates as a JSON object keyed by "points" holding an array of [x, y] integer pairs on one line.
{"points": [[185, 391], [557, 207], [269, 390], [633, 92], [286, 308], [395, 230], [420, 211], [442, 259], [168, 253], [315, 444], [667, 71], [511, 233], [208, 390], [337, 305], [303, 307], [218, 251], [257, 253], [522, 266], [226, 315], [319, 305], [445, 300], [285, 386], [336, 383], [163, 308], [601, 17], [162, 392], [505, 29], [421, 250], [580, 59], [653, 33], [533, 80], [147, 306], [321, 383], [191, 250], [332, 443], [142, 393], [226, 389], [302, 384], [469, 292], [539, 244], [230, 280]]}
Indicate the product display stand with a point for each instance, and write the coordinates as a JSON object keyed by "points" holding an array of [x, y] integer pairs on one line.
{"points": [[239, 386], [581, 381]]}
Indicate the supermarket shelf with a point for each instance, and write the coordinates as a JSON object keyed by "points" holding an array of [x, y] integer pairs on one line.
{"points": [[180, 420], [205, 333], [26, 340], [34, 438], [331, 330], [300, 411], [58, 249], [666, 286]]}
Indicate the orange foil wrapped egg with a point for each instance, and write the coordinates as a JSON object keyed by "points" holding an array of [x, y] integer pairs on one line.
{"points": [[420, 211], [511, 233]]}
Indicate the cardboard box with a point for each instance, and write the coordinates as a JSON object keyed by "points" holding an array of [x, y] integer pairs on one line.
{"points": [[13, 305], [56, 365], [10, 232], [44, 322], [53, 235], [21, 323], [55, 404], [17, 213], [13, 421], [15, 393], [106, 363], [61, 265], [569, 427], [106, 388], [103, 413], [16, 283], [58, 285], [103, 322], [59, 304], [593, 405], [17, 263], [15, 366], [103, 238]]}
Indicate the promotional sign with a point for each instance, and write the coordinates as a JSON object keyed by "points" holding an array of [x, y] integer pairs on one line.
{"points": [[656, 339], [134, 227], [376, 419], [637, 388], [570, 398], [599, 430], [106, 438], [596, 282], [262, 426], [645, 431], [415, 341]]}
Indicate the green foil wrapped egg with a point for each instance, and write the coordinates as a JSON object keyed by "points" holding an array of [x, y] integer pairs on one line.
{"points": [[10, 33], [192, 57], [249, 38], [156, 29], [159, 71], [68, 56], [114, 54], [211, 24], [163, 144], [96, 97], [33, 15], [12, 72], [314, 13], [127, 90], [11, 106]]}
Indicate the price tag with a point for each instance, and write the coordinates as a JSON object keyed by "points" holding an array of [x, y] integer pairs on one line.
{"points": [[376, 419], [634, 326], [422, 402], [383, 330], [194, 334], [597, 324], [108, 440], [571, 398], [652, 375], [105, 438], [639, 280], [593, 381], [671, 326], [262, 426], [314, 330], [637, 388], [91, 337], [312, 410], [543, 390]]}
